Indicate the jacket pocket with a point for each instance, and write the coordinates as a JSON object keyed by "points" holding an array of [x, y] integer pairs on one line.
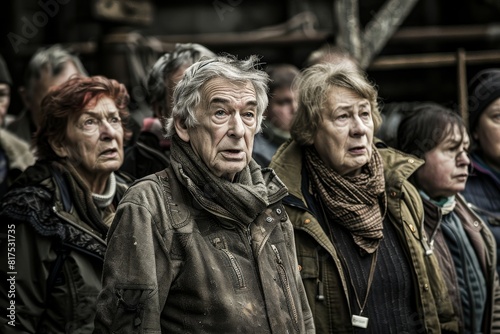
{"points": [[221, 245], [131, 303], [285, 283]]}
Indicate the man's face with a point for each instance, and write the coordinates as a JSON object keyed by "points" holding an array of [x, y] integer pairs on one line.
{"points": [[4, 101], [281, 108], [39, 88], [94, 141], [227, 117]]}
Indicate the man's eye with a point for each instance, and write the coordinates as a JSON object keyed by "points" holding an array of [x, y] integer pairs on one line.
{"points": [[249, 114], [90, 122]]}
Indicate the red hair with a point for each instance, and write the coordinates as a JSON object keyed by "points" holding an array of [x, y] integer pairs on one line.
{"points": [[68, 100]]}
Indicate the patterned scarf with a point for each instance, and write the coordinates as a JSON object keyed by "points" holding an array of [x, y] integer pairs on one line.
{"points": [[357, 203], [243, 200]]}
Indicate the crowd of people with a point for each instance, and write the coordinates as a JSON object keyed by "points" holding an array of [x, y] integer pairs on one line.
{"points": [[256, 199]]}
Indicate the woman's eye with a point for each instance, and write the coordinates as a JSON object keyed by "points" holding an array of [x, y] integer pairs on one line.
{"points": [[90, 121], [115, 120], [220, 112]]}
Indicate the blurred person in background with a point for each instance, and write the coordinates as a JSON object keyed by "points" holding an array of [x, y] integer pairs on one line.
{"points": [[15, 154], [60, 209], [356, 217], [47, 68], [482, 190], [278, 115], [463, 244], [151, 151]]}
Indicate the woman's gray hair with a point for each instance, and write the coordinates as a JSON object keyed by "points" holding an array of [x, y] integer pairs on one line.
{"points": [[312, 89], [187, 93]]}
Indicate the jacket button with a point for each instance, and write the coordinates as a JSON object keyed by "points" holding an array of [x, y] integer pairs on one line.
{"points": [[269, 219], [426, 287], [307, 221], [411, 160], [278, 211], [476, 223], [394, 194]]}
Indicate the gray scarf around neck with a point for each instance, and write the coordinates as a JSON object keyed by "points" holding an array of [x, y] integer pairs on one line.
{"points": [[242, 200]]}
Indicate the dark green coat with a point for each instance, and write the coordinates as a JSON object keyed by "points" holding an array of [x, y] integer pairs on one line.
{"points": [[405, 211], [58, 257]]}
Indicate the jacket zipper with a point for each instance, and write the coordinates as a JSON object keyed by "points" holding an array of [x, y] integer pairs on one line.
{"points": [[236, 268], [286, 287]]}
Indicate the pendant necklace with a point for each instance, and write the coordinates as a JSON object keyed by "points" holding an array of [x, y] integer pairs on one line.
{"points": [[360, 320]]}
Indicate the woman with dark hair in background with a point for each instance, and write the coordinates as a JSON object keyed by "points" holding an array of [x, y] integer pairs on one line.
{"points": [[463, 244]]}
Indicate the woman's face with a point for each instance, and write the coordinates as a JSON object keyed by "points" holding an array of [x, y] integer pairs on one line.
{"points": [[94, 141], [345, 134], [487, 134], [445, 170]]}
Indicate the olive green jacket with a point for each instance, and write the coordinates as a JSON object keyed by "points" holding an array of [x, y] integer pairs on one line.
{"points": [[405, 211]]}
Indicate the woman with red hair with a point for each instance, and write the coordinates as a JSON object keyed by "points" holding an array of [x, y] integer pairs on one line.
{"points": [[55, 217]]}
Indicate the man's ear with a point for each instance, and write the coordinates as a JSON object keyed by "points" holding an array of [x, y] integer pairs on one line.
{"points": [[58, 148], [181, 129]]}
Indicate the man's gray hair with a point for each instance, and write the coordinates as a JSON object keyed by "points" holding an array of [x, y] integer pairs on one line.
{"points": [[52, 59], [167, 64], [187, 93]]}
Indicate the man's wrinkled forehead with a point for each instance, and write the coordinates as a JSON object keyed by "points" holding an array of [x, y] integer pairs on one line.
{"points": [[224, 91]]}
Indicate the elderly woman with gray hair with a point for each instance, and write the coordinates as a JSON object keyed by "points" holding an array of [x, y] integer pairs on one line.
{"points": [[357, 219], [205, 246]]}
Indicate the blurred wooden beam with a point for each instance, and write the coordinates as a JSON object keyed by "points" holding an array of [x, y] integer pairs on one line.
{"points": [[462, 84], [248, 38], [429, 60], [382, 27]]}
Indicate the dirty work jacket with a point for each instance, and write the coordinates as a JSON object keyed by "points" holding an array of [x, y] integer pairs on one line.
{"points": [[405, 211], [172, 266]]}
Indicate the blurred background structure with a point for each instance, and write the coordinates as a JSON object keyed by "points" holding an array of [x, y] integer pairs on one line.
{"points": [[414, 50]]}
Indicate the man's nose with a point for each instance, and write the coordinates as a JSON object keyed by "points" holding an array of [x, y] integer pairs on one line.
{"points": [[236, 126]]}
